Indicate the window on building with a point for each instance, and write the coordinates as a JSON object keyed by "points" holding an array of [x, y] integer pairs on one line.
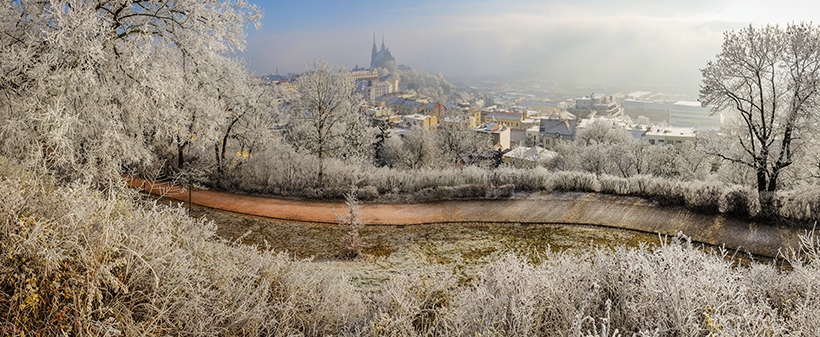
{"points": [[652, 141], [668, 142]]}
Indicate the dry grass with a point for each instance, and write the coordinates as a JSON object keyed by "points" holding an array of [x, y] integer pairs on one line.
{"points": [[466, 248]]}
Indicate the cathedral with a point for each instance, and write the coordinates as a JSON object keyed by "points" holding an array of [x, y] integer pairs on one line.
{"points": [[380, 58]]}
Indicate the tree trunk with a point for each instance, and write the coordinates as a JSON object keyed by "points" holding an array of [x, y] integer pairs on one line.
{"points": [[773, 181], [221, 154], [761, 179], [218, 159], [180, 149]]}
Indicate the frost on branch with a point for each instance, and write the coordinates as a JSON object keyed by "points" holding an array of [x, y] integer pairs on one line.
{"points": [[91, 86]]}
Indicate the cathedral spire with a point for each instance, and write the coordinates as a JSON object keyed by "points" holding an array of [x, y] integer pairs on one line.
{"points": [[382, 40], [374, 52]]}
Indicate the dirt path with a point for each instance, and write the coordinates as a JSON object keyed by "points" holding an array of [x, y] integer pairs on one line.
{"points": [[540, 208], [291, 210]]}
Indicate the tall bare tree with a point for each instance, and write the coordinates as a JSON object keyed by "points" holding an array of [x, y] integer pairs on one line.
{"points": [[319, 118], [768, 78]]}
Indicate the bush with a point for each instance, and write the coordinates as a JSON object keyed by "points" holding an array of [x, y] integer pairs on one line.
{"points": [[704, 196], [501, 192], [739, 201], [614, 185], [413, 304], [801, 204], [573, 182], [367, 193], [467, 191]]}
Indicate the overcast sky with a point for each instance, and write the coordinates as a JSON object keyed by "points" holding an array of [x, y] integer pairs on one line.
{"points": [[653, 41]]}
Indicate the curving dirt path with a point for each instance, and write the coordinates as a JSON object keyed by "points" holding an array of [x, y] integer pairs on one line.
{"points": [[540, 208]]}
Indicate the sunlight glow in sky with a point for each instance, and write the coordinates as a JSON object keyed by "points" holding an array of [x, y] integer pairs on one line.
{"points": [[588, 40]]}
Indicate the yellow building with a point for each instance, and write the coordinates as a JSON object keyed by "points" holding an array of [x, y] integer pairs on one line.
{"points": [[499, 134], [511, 119], [428, 122], [288, 85]]}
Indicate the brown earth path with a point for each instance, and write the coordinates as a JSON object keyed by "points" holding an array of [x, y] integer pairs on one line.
{"points": [[594, 209]]}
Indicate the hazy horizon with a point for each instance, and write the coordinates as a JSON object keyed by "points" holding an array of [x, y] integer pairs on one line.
{"points": [[636, 41]]}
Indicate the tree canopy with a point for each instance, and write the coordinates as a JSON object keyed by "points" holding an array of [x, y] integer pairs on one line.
{"points": [[768, 79], [88, 86]]}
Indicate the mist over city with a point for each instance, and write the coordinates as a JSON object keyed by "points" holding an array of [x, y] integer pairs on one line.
{"points": [[642, 45]]}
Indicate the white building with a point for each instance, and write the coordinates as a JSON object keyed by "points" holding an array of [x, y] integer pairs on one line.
{"points": [[528, 155], [681, 113], [595, 104], [692, 114], [670, 135], [657, 112]]}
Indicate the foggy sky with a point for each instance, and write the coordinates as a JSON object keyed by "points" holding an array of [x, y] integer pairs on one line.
{"points": [[646, 41]]}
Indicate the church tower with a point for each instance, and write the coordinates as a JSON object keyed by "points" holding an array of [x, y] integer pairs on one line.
{"points": [[380, 58], [374, 52]]}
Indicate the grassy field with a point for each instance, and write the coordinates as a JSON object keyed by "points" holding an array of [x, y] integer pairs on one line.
{"points": [[466, 248]]}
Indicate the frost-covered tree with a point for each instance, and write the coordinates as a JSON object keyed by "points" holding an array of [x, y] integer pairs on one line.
{"points": [[248, 116], [420, 150], [604, 132], [319, 120], [89, 85], [768, 79], [456, 138]]}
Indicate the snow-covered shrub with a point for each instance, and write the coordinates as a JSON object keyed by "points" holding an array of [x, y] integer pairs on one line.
{"points": [[501, 192], [524, 179], [80, 262], [412, 304], [801, 204], [467, 191], [573, 182], [703, 196], [614, 185], [739, 201], [663, 190], [368, 192]]}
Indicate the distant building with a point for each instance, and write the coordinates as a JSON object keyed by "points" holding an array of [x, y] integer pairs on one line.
{"points": [[528, 156], [513, 119], [432, 109], [656, 112], [289, 85], [679, 113], [693, 114], [428, 122], [380, 58], [554, 128], [411, 107], [360, 74], [595, 104], [375, 87], [675, 136], [543, 106], [499, 134]]}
